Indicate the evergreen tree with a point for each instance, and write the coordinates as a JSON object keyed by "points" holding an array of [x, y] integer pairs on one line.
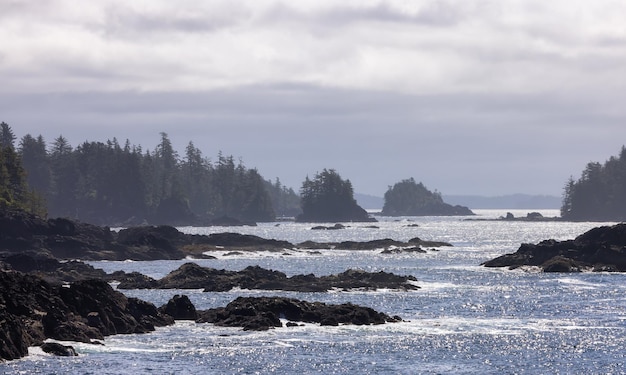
{"points": [[7, 137], [64, 183], [329, 198], [36, 162], [600, 192], [14, 190], [105, 183], [285, 201], [408, 198]]}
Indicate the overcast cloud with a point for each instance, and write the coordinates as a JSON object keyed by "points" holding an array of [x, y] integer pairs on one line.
{"points": [[477, 97]]}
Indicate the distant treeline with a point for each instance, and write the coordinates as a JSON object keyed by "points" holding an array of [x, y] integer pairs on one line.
{"points": [[108, 183], [600, 192]]}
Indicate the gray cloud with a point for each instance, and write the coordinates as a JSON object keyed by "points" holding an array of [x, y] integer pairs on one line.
{"points": [[469, 97], [486, 144], [126, 21]]}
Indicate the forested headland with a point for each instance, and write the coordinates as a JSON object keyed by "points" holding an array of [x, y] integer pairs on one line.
{"points": [[107, 183], [599, 194]]}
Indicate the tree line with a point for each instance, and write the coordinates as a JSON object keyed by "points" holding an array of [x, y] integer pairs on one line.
{"points": [[600, 192], [108, 183]]}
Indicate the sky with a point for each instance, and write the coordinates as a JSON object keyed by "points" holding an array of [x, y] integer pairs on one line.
{"points": [[484, 97]]}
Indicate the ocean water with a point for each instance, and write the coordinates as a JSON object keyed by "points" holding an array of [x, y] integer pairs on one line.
{"points": [[465, 319]]}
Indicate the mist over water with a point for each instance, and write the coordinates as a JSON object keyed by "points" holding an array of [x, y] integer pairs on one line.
{"points": [[464, 319]]}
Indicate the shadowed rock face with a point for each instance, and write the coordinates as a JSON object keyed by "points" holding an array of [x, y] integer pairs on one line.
{"points": [[32, 310], [263, 313], [599, 249], [193, 276], [66, 239]]}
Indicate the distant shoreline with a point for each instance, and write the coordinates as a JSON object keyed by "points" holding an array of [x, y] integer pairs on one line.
{"points": [[478, 202]]}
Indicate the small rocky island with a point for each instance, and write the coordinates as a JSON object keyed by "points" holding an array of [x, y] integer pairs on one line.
{"points": [[329, 198], [599, 249], [408, 198]]}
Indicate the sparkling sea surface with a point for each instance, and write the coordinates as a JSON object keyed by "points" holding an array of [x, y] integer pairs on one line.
{"points": [[465, 319]]}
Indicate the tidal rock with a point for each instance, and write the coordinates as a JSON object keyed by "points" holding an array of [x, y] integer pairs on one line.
{"points": [[333, 227], [58, 349], [263, 313], [193, 276], [180, 308], [599, 249], [385, 244]]}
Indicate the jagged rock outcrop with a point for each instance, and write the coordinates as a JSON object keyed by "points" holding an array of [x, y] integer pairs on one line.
{"points": [[180, 308], [32, 310], [263, 313], [193, 276], [599, 249]]}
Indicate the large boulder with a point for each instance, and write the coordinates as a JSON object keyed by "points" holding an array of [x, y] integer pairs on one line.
{"points": [[180, 308], [59, 349]]}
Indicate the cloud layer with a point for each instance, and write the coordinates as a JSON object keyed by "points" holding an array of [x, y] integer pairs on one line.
{"points": [[468, 96]]}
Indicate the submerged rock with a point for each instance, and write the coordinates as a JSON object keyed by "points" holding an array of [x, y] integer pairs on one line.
{"points": [[599, 249]]}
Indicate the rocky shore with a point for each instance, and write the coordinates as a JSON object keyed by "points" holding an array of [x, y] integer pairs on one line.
{"points": [[47, 292], [599, 249], [66, 239], [33, 310]]}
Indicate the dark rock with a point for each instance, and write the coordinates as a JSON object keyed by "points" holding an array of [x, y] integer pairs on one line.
{"points": [[402, 250], [333, 227], [560, 264], [67, 239], [59, 349], [14, 340], [386, 243], [243, 241], [262, 313], [599, 249], [133, 280], [193, 276], [180, 308], [149, 242], [32, 310]]}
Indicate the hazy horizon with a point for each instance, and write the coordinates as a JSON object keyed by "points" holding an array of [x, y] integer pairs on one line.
{"points": [[474, 97]]}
